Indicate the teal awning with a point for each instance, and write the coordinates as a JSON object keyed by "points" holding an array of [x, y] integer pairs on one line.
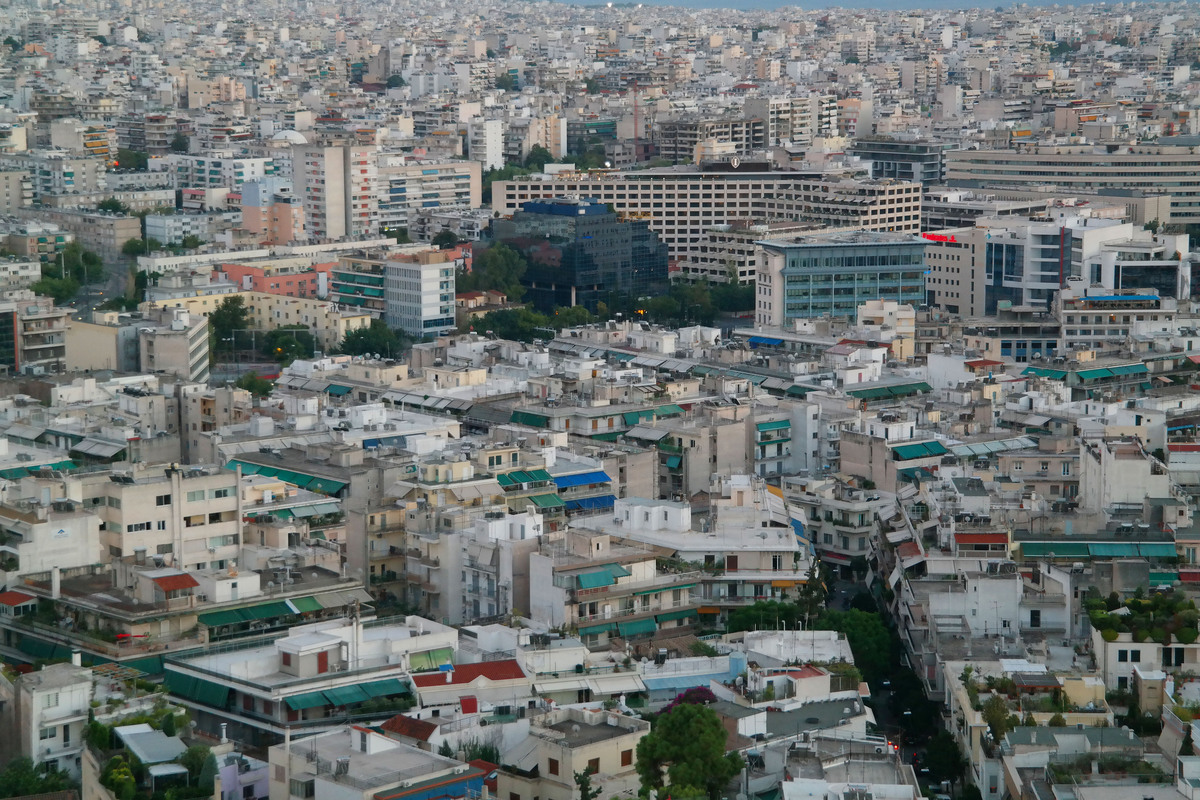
{"points": [[346, 695], [266, 611], [530, 419], [674, 462], [595, 580], [304, 605], [777, 425], [326, 486], [386, 688], [906, 452], [637, 627], [634, 417], [1093, 374], [337, 390], [592, 630], [300, 702], [1130, 369], [670, 410], [1059, 549], [1114, 549], [218, 618], [682, 613], [547, 501], [1157, 550], [1045, 372], [209, 693]]}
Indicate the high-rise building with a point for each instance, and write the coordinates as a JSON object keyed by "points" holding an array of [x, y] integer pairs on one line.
{"points": [[419, 293], [338, 185], [579, 252]]}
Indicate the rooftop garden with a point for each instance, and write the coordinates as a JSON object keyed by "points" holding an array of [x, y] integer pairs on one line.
{"points": [[1161, 618]]}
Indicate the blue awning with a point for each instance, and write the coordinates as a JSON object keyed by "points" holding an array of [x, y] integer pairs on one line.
{"points": [[589, 503], [581, 479], [757, 340]]}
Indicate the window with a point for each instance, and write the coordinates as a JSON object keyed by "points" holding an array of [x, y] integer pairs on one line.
{"points": [[47, 733], [1066, 468], [286, 659], [1017, 466], [593, 766], [1135, 656], [50, 700], [196, 496], [553, 766], [626, 758], [217, 494], [162, 500], [1122, 655], [302, 788]]}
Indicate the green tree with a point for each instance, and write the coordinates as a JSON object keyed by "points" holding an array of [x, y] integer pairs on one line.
{"points": [[868, 638], [22, 778], [168, 725], [227, 322], [396, 81], [445, 750], [61, 289], [765, 615], [583, 782], [13, 43], [399, 234], [499, 267], [180, 143], [193, 759], [289, 342], [995, 714], [445, 239], [191, 242], [811, 596], [255, 385], [133, 159], [208, 773], [1059, 721], [944, 758], [538, 158], [506, 82], [517, 324], [140, 247], [113, 205], [377, 338], [571, 317], [686, 748], [591, 86]]}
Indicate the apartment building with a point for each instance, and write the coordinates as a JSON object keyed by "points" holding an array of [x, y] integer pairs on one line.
{"points": [[33, 334], [407, 184], [16, 190], [338, 184], [419, 293], [731, 252], [898, 159], [679, 140], [58, 172], [172, 229], [795, 120], [681, 203], [52, 707], [102, 233], [177, 346]]}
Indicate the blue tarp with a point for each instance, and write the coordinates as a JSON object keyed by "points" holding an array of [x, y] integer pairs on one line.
{"points": [[757, 340], [603, 501], [582, 479]]}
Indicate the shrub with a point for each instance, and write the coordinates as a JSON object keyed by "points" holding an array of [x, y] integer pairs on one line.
{"points": [[1109, 635], [1186, 635]]}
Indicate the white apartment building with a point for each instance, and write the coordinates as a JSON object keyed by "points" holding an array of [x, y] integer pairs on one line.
{"points": [[338, 185], [52, 707], [420, 295], [216, 168], [485, 142], [172, 229], [681, 203], [407, 184], [16, 190], [795, 120], [19, 273], [54, 172]]}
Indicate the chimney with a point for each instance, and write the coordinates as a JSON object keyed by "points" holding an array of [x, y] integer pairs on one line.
{"points": [[224, 727], [55, 582], [76, 658], [449, 676]]}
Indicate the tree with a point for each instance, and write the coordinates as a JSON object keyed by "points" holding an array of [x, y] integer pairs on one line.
{"points": [[61, 289], [396, 81], [140, 247], [191, 242], [255, 385], [538, 158], [133, 159], [168, 725], [944, 758], [399, 234], [193, 759], [811, 596], [765, 615], [995, 714], [180, 143], [377, 338], [226, 321], [686, 748], [572, 317], [591, 86], [113, 205], [13, 44], [22, 778], [583, 781], [499, 267], [1059, 721], [288, 343], [445, 239], [208, 773], [517, 324], [506, 82], [868, 638], [446, 750]]}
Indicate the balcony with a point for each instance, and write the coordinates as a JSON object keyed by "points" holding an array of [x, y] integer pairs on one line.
{"points": [[661, 582], [637, 611]]}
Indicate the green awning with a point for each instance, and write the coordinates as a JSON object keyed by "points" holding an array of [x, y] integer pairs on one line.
{"points": [[151, 665], [877, 393], [1059, 549], [1130, 369], [906, 452], [1046, 372], [682, 613], [300, 702], [209, 693], [637, 627], [1093, 374], [346, 695], [1157, 550], [266, 611], [304, 605], [530, 419], [247, 469], [595, 580], [777, 425], [14, 474], [797, 391], [179, 684], [1113, 549], [295, 478], [337, 390], [634, 417], [607, 437], [326, 486], [505, 481], [617, 571], [666, 588], [546, 501], [536, 475], [385, 688], [1163, 578], [669, 410], [674, 462], [429, 660], [217, 618], [592, 630]]}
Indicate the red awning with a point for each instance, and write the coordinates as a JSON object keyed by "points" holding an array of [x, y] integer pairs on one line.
{"points": [[981, 538], [470, 705], [174, 583]]}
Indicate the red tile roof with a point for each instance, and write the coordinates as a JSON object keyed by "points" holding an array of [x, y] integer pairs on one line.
{"points": [[508, 670], [15, 598], [410, 727], [173, 583]]}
